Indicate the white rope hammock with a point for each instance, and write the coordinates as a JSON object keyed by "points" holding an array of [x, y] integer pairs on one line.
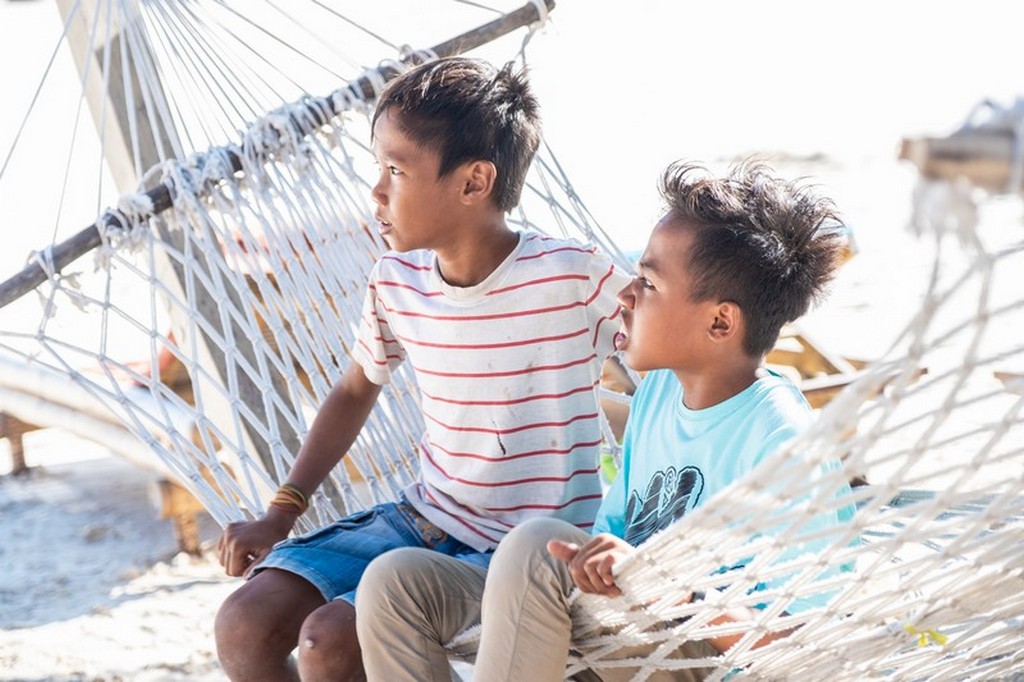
{"points": [[211, 332]]}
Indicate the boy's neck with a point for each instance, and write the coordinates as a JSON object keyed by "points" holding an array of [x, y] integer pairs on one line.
{"points": [[721, 382], [470, 260]]}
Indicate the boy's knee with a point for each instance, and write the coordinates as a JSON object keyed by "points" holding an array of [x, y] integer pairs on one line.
{"points": [[529, 540], [330, 621], [392, 574], [234, 621], [237, 632], [328, 645], [523, 553], [401, 584]]}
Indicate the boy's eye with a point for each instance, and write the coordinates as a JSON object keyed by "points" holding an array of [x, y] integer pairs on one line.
{"points": [[645, 283], [392, 170]]}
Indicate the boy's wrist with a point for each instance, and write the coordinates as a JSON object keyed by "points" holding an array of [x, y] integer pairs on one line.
{"points": [[281, 518]]}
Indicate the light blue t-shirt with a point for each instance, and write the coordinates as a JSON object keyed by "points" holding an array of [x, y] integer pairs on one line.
{"points": [[675, 458]]}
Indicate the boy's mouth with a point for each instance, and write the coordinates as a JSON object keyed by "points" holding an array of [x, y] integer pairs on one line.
{"points": [[622, 336]]}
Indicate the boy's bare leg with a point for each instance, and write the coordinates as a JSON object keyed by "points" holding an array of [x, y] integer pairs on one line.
{"points": [[328, 645], [258, 626]]}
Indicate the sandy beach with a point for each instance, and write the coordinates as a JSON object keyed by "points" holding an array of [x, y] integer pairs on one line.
{"points": [[93, 588]]}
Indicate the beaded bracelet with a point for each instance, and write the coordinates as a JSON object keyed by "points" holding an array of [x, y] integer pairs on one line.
{"points": [[290, 499]]}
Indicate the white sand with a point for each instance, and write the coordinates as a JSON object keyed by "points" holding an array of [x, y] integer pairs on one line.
{"points": [[91, 587]]}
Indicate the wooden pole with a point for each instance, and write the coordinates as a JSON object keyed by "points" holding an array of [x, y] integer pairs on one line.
{"points": [[63, 254], [136, 138]]}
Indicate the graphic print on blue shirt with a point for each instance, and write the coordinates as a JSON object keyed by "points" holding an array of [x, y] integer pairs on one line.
{"points": [[669, 495]]}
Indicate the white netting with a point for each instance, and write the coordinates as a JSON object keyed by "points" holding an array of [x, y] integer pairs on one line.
{"points": [[244, 296], [212, 331], [938, 590]]}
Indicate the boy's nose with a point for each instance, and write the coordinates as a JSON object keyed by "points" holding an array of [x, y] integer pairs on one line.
{"points": [[377, 193], [625, 295]]}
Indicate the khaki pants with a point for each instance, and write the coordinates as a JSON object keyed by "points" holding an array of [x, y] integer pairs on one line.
{"points": [[411, 601]]}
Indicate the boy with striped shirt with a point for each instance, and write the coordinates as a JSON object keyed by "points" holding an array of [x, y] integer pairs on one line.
{"points": [[506, 333]]}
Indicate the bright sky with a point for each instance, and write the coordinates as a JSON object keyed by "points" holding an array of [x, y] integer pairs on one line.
{"points": [[628, 86], [714, 79]]}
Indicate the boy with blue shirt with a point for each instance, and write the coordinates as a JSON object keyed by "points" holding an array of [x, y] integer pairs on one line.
{"points": [[732, 260]]}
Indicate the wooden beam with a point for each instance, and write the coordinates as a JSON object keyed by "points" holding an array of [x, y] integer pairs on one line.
{"points": [[13, 429]]}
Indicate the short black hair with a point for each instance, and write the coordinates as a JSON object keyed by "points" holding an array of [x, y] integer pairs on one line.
{"points": [[767, 244], [466, 110]]}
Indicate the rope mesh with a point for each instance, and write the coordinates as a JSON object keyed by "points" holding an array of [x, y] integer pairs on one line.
{"points": [[207, 335], [937, 590], [245, 296]]}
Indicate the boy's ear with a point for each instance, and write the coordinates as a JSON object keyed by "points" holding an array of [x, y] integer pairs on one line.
{"points": [[726, 321], [478, 181]]}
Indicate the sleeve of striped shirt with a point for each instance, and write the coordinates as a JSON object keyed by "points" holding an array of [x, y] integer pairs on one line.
{"points": [[376, 349]]}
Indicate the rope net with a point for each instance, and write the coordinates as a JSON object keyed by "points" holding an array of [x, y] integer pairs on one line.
{"points": [[207, 335], [937, 538], [245, 296]]}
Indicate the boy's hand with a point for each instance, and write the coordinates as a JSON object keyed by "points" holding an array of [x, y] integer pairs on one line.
{"points": [[591, 565], [242, 545]]}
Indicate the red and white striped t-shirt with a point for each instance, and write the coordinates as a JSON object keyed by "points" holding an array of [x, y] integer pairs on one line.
{"points": [[508, 372]]}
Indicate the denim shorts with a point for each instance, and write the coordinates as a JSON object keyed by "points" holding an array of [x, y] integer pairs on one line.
{"points": [[334, 557]]}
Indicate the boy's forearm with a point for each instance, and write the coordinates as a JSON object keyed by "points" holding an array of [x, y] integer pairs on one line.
{"points": [[337, 423]]}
